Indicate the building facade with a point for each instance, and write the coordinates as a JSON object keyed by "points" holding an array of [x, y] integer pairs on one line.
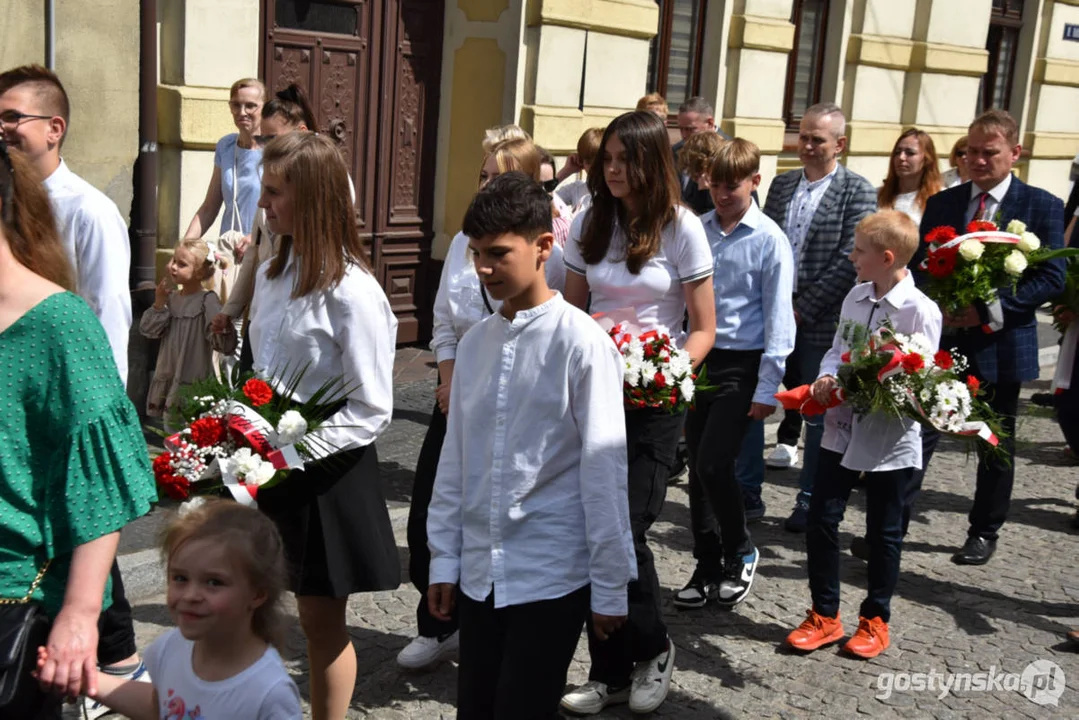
{"points": [[409, 86]]}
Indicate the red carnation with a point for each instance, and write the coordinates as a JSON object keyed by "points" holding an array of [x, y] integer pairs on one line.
{"points": [[981, 226], [845, 357], [973, 385], [258, 392], [208, 431], [943, 360], [941, 234], [163, 464], [649, 351], [661, 382], [912, 363]]}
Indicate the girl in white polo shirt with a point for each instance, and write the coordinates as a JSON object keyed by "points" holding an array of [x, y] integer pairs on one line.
{"points": [[638, 248]]}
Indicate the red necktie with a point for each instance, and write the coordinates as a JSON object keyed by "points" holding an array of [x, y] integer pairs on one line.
{"points": [[981, 206]]}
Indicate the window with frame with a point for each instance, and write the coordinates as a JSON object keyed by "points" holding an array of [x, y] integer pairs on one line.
{"points": [[1005, 24], [806, 63], [674, 54]]}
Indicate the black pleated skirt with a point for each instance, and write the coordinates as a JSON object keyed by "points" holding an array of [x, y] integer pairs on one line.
{"points": [[333, 520]]}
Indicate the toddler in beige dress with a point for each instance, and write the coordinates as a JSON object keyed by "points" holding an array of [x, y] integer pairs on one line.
{"points": [[181, 319]]}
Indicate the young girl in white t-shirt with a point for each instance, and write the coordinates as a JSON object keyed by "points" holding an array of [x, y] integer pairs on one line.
{"points": [[637, 248], [226, 578]]}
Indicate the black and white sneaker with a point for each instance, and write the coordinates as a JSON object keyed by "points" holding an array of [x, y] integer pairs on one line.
{"points": [[738, 578], [701, 588]]}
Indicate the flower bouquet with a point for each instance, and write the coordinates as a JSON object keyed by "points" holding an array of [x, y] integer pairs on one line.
{"points": [[656, 373], [974, 267], [241, 435], [901, 376]]}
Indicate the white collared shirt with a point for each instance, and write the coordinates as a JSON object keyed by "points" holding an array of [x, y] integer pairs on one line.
{"points": [[347, 332], [992, 202], [656, 293], [876, 442], [803, 206], [96, 240], [530, 497], [459, 303]]}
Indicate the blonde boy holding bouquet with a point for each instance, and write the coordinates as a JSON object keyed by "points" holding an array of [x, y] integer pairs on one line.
{"points": [[887, 449]]}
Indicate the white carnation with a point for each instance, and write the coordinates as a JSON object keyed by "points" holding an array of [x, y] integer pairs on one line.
{"points": [[260, 474], [920, 343], [971, 249], [1015, 263], [291, 428], [191, 505], [1028, 242], [1017, 227], [686, 389]]}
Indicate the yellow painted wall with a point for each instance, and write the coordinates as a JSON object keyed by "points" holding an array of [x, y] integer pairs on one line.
{"points": [[103, 137], [479, 67]]}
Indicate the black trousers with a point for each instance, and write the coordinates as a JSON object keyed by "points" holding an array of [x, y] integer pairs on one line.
{"points": [[996, 475], [714, 432], [885, 494], [1067, 407], [116, 632], [513, 660], [419, 555], [651, 439]]}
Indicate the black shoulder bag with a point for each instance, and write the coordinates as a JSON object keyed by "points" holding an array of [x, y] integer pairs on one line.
{"points": [[24, 627]]}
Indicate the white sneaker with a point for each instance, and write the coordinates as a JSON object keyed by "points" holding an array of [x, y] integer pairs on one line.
{"points": [[592, 697], [423, 652], [651, 681], [783, 456], [92, 709]]}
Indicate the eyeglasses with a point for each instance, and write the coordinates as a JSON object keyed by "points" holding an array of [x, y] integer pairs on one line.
{"points": [[550, 185], [262, 140], [960, 153], [11, 119]]}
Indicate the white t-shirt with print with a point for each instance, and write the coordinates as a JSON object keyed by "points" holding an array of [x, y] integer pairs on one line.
{"points": [[655, 293], [263, 691]]}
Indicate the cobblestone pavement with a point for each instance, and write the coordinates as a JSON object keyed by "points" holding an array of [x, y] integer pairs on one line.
{"points": [[945, 618]]}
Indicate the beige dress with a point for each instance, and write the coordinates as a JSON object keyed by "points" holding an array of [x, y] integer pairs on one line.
{"points": [[187, 345]]}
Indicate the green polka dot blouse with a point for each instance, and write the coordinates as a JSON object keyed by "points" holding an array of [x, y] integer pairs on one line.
{"points": [[73, 461]]}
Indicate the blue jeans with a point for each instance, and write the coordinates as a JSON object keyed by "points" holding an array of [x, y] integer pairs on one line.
{"points": [[803, 366]]}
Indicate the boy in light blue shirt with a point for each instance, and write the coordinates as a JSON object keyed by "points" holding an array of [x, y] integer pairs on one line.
{"points": [[753, 279]]}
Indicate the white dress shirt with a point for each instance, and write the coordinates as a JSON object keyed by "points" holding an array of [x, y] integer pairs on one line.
{"points": [[655, 293], [459, 303], [992, 202], [802, 208], [97, 243], [530, 496], [877, 442], [346, 332]]}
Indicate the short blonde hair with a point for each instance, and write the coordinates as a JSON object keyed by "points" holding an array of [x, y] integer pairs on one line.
{"points": [[248, 82], [736, 160], [655, 103], [517, 154], [997, 121], [698, 151], [203, 254], [502, 133], [890, 230]]}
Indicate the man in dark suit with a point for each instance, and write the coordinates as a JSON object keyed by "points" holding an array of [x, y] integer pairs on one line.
{"points": [[1004, 359], [695, 115], [817, 207]]}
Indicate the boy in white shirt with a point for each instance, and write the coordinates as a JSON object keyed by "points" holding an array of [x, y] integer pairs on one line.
{"points": [[529, 514], [887, 449]]}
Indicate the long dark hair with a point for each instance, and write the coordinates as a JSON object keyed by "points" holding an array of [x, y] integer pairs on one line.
{"points": [[28, 223], [652, 182], [291, 104]]}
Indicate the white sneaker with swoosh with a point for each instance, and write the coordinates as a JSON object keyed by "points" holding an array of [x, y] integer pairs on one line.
{"points": [[738, 578], [651, 681]]}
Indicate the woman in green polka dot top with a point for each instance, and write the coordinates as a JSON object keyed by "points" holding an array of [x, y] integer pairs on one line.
{"points": [[73, 462]]}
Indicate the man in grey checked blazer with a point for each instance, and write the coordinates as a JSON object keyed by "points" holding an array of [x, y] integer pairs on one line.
{"points": [[817, 207]]}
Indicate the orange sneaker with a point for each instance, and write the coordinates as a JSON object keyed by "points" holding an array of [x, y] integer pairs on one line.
{"points": [[870, 640], [815, 631]]}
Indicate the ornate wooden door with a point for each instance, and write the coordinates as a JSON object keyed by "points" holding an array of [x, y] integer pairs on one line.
{"points": [[372, 71]]}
